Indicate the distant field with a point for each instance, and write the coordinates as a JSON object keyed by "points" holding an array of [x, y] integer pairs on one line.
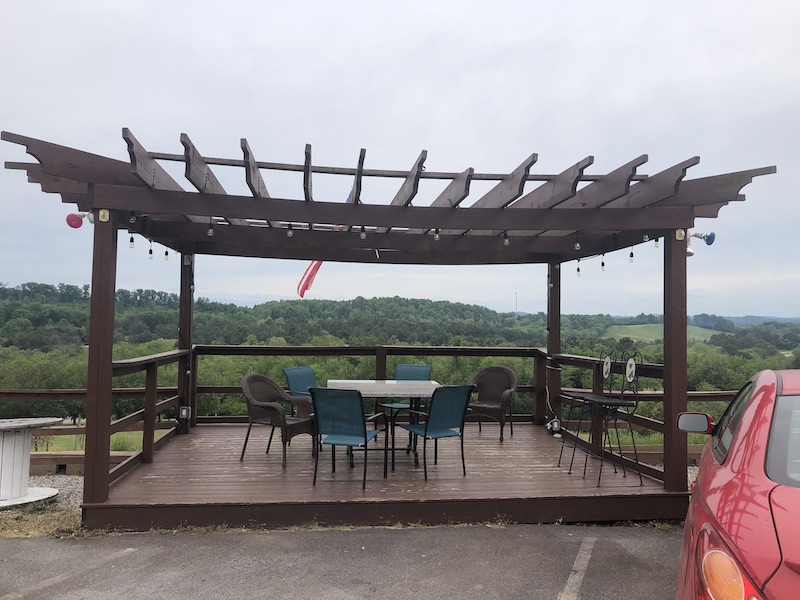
{"points": [[651, 333]]}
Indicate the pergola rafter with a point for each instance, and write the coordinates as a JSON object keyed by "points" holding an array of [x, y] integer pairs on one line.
{"points": [[611, 211]]}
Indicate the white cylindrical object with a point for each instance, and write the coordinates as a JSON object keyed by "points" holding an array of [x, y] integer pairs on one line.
{"points": [[15, 463]]}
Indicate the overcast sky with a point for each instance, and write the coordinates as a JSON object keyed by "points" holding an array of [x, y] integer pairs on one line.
{"points": [[480, 85]]}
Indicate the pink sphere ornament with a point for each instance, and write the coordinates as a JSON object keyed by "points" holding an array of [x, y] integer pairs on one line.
{"points": [[74, 220]]}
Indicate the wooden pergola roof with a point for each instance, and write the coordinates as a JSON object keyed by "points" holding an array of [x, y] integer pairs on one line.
{"points": [[602, 213]]}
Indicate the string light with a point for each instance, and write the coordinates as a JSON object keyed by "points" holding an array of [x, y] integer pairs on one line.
{"points": [[363, 234], [630, 256], [150, 252], [645, 238], [131, 243], [290, 231], [657, 244], [506, 241], [166, 255], [578, 272], [603, 263], [210, 232], [436, 234], [577, 245]]}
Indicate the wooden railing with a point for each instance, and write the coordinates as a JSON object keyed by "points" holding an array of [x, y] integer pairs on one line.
{"points": [[158, 399], [593, 444], [152, 406]]}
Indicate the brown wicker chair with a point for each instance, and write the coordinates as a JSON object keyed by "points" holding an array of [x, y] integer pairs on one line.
{"points": [[495, 387], [265, 406]]}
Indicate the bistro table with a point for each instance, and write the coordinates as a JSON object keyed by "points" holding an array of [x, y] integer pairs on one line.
{"points": [[416, 390], [15, 461]]}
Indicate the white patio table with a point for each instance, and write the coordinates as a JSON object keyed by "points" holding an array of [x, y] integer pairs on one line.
{"points": [[415, 390]]}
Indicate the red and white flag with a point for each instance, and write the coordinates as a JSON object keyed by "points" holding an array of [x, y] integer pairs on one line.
{"points": [[308, 277], [311, 271]]}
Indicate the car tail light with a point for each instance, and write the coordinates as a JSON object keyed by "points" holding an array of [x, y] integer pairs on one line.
{"points": [[719, 576]]}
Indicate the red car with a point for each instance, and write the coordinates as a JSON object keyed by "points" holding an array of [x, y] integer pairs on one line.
{"points": [[742, 534]]}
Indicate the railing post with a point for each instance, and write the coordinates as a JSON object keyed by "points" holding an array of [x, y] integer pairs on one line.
{"points": [[193, 388], [380, 362], [597, 417], [540, 383], [149, 425]]}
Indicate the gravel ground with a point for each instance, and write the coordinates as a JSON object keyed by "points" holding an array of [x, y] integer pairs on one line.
{"points": [[70, 487]]}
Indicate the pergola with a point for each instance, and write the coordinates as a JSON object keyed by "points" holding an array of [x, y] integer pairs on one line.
{"points": [[570, 215]]}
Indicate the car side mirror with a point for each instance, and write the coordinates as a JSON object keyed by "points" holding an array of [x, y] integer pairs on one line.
{"points": [[695, 422]]}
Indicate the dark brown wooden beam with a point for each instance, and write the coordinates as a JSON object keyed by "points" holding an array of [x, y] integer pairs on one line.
{"points": [[207, 205], [355, 191], [505, 192], [655, 188], [607, 188], [202, 177], [453, 194], [557, 190], [74, 164], [410, 186], [252, 174], [99, 372], [715, 189], [675, 359], [307, 189]]}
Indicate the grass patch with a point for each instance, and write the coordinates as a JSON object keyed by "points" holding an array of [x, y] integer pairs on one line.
{"points": [[124, 441], [654, 332], [41, 519]]}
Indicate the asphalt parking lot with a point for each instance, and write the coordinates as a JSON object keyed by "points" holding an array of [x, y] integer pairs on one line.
{"points": [[566, 562]]}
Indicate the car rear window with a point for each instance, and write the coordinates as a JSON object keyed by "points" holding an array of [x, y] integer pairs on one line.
{"points": [[783, 453]]}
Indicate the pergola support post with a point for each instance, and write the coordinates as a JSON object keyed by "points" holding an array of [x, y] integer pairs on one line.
{"points": [[554, 332], [186, 387], [675, 360], [99, 381]]}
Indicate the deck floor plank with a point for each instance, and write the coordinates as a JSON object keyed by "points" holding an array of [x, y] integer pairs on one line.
{"points": [[201, 470]]}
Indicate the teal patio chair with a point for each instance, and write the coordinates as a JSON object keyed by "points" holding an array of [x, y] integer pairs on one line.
{"points": [[299, 380], [407, 372], [340, 421], [444, 419]]}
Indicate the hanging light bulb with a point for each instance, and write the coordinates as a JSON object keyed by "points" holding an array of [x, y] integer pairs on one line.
{"points": [[630, 256], [645, 238], [506, 241], [363, 234], [577, 245], [578, 272], [210, 232], [290, 231], [603, 263], [657, 244], [436, 234], [166, 255], [150, 252], [131, 243]]}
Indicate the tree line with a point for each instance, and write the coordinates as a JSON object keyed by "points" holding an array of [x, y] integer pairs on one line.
{"points": [[44, 330]]}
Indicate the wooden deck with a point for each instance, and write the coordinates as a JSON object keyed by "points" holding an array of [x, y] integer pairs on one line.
{"points": [[198, 480]]}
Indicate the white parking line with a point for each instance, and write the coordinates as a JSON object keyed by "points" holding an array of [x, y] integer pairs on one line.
{"points": [[575, 580]]}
